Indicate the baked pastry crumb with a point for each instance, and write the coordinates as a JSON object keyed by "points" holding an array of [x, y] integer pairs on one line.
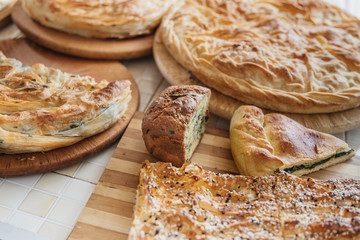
{"points": [[174, 123]]}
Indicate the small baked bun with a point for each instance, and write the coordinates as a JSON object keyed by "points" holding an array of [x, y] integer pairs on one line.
{"points": [[260, 144], [174, 123]]}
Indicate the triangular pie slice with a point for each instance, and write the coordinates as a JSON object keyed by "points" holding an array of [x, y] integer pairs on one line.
{"points": [[261, 144]]}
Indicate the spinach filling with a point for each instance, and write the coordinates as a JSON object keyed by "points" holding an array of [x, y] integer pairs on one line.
{"points": [[194, 130], [303, 166]]}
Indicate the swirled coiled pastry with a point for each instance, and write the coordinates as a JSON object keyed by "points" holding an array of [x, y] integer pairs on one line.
{"points": [[296, 56], [43, 108], [99, 19]]}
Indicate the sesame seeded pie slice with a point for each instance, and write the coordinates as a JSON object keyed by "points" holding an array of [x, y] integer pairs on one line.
{"points": [[192, 203], [260, 144]]}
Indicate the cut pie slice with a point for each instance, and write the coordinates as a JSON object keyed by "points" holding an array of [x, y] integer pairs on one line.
{"points": [[261, 144], [193, 203]]}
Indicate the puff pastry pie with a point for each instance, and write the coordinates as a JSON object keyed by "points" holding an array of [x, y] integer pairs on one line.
{"points": [[43, 108], [192, 203], [260, 144], [99, 19], [295, 56]]}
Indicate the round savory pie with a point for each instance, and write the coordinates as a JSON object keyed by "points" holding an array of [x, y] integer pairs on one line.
{"points": [[99, 19], [43, 108], [297, 56]]}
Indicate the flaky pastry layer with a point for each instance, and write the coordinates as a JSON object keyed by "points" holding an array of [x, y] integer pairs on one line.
{"points": [[43, 108], [295, 56], [192, 203], [99, 19]]}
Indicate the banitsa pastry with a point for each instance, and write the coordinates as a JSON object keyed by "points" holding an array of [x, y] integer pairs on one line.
{"points": [[99, 19], [193, 203], [43, 108], [296, 56]]}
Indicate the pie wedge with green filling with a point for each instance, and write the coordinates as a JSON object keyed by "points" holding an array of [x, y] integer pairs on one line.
{"points": [[260, 144]]}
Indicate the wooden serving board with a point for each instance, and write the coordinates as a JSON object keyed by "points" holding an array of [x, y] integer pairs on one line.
{"points": [[30, 163], [108, 212], [81, 46], [225, 106]]}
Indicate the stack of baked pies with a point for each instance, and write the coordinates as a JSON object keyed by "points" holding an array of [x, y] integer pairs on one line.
{"points": [[290, 56], [293, 56], [43, 108], [99, 19]]}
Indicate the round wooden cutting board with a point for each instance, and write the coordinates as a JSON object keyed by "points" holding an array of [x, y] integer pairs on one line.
{"points": [[225, 106], [80, 46], [30, 163]]}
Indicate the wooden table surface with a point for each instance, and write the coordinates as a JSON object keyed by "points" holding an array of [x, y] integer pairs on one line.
{"points": [[22, 217]]}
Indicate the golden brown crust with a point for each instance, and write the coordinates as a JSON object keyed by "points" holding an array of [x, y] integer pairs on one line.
{"points": [[100, 19], [263, 143], [190, 202], [175, 74], [165, 122], [43, 108], [252, 152], [292, 56]]}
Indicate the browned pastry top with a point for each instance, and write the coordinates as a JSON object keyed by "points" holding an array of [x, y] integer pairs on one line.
{"points": [[43, 108], [262, 143], [287, 55], [100, 19], [190, 202], [174, 107]]}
